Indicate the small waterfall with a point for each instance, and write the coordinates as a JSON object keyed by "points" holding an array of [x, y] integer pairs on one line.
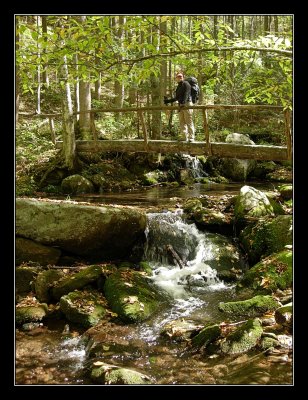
{"points": [[194, 248], [194, 166]]}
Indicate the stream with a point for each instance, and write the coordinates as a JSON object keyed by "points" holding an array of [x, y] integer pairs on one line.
{"points": [[55, 354]]}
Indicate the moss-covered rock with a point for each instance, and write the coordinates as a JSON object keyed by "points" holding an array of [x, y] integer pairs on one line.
{"points": [[284, 315], [272, 273], [23, 278], [76, 281], [44, 282], [253, 307], [30, 313], [252, 203], [286, 191], [192, 205], [268, 236], [131, 296], [243, 338], [267, 343], [206, 336], [86, 308], [210, 217], [145, 267], [77, 184], [112, 375]]}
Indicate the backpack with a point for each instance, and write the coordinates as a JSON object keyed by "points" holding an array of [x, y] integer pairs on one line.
{"points": [[195, 90]]}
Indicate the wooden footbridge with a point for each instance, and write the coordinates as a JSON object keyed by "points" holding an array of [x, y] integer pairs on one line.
{"points": [[205, 147]]}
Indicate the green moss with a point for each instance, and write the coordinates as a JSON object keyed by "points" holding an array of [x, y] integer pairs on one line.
{"points": [[272, 273], [43, 283], [77, 281], [253, 307], [84, 308], [206, 336], [267, 343], [118, 376], [130, 296], [23, 278], [266, 237], [244, 338], [30, 313], [192, 205], [145, 267]]}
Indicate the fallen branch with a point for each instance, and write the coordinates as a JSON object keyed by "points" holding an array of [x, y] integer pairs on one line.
{"points": [[175, 255]]}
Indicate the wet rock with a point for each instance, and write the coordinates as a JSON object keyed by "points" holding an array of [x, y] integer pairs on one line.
{"points": [[272, 273], [33, 313], [104, 232], [268, 236], [44, 282], [86, 308], [243, 338], [286, 191], [284, 315], [253, 307], [252, 203], [76, 184], [131, 296], [267, 343], [107, 374], [23, 278], [180, 329], [76, 281], [206, 336], [28, 250]]}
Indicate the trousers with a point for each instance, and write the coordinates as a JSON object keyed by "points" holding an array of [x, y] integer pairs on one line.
{"points": [[186, 123]]}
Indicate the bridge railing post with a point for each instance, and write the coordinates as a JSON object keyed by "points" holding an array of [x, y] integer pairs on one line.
{"points": [[144, 130], [287, 119], [206, 131]]}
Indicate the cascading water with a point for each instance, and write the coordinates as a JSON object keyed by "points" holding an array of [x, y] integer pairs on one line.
{"points": [[194, 166], [192, 284]]}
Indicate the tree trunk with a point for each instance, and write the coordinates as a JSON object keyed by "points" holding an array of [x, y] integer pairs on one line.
{"points": [[85, 104], [38, 103], [17, 77], [76, 89], [276, 24], [118, 84], [69, 144], [44, 28]]}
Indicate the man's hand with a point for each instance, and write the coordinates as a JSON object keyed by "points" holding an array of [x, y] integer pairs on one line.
{"points": [[166, 101]]}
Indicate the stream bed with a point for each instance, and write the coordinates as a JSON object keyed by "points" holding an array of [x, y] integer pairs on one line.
{"points": [[54, 353]]}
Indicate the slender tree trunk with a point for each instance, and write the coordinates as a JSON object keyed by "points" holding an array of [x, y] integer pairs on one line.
{"points": [[98, 86], [156, 100], [38, 103], [276, 24], [84, 102], [119, 85], [69, 144], [17, 77], [45, 73], [76, 89]]}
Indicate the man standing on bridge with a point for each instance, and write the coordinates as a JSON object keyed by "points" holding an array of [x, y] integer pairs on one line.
{"points": [[183, 97]]}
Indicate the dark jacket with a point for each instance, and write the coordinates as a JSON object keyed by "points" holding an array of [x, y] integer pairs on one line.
{"points": [[182, 93]]}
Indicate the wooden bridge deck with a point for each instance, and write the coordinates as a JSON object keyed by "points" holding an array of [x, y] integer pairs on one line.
{"points": [[225, 150]]}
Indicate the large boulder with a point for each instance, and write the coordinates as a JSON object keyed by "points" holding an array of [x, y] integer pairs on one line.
{"points": [[93, 231], [77, 184], [252, 202], [85, 308], [268, 236], [130, 295], [28, 250], [234, 168], [253, 307], [272, 273]]}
